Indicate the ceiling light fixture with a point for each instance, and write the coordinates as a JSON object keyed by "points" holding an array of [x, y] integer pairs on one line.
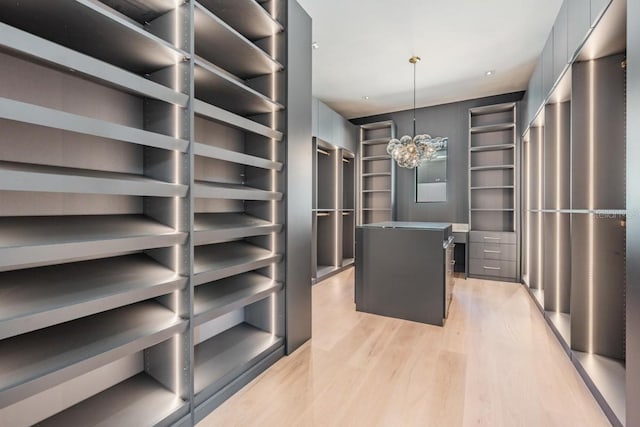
{"points": [[410, 152], [315, 45], [366, 98], [489, 73]]}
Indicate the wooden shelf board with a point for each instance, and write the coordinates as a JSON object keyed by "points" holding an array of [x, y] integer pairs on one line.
{"points": [[217, 87], [247, 17], [214, 299], [53, 179], [222, 358], [33, 362], [93, 28], [41, 297], [139, 400], [35, 241], [54, 119], [215, 262], [224, 227], [212, 190], [220, 44]]}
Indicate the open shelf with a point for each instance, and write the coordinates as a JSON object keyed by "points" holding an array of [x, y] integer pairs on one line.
{"points": [[497, 147], [376, 141], [211, 190], [562, 323], [212, 152], [382, 190], [93, 28], [234, 120], [376, 158], [217, 87], [494, 187], [215, 262], [492, 128], [32, 241], [42, 297], [139, 398], [47, 117], [374, 174], [60, 57], [247, 17], [53, 179], [141, 11], [223, 296], [488, 168], [222, 358], [33, 362], [224, 227], [220, 44]]}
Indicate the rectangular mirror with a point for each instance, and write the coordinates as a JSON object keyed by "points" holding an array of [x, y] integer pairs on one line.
{"points": [[431, 178]]}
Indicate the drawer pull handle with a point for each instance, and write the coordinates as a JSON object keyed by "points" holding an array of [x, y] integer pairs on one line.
{"points": [[492, 252], [491, 238], [491, 268]]}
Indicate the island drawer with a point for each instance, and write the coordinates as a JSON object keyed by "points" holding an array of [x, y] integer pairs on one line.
{"points": [[500, 237]]}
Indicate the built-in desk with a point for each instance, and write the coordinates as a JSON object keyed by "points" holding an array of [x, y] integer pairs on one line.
{"points": [[405, 270]]}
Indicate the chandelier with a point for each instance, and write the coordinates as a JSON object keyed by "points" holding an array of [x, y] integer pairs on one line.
{"points": [[410, 152]]}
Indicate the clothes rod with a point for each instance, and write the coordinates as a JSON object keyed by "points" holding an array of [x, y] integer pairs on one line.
{"points": [[326, 153], [322, 214], [346, 160]]}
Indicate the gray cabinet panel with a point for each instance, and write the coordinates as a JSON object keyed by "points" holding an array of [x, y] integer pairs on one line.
{"points": [[315, 105], [325, 122], [560, 41], [547, 67], [578, 24], [535, 91]]}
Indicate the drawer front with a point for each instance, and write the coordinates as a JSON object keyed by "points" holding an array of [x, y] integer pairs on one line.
{"points": [[493, 237], [488, 267], [493, 251]]}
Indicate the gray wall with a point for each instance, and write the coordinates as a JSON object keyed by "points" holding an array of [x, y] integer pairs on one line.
{"points": [[452, 121], [299, 178], [633, 218]]}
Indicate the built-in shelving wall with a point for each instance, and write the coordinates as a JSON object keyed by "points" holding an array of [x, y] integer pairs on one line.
{"points": [[493, 213], [142, 213], [376, 176], [574, 179], [333, 209]]}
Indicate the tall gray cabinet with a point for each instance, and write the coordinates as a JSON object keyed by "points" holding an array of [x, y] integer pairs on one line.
{"points": [[142, 212], [493, 213]]}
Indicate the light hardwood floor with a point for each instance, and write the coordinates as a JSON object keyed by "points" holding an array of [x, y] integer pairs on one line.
{"points": [[495, 363]]}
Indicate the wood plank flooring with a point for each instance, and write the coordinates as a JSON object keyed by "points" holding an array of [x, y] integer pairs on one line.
{"points": [[495, 363]]}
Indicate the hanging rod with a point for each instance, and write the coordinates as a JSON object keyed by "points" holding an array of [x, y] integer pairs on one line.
{"points": [[322, 214], [321, 151], [345, 160]]}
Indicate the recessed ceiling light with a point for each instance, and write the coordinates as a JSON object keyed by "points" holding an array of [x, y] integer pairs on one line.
{"points": [[489, 73], [366, 98], [315, 45]]}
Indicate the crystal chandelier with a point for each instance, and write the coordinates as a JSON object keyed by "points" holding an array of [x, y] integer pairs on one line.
{"points": [[410, 152]]}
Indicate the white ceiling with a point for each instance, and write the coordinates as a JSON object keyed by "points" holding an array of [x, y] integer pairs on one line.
{"points": [[365, 46]]}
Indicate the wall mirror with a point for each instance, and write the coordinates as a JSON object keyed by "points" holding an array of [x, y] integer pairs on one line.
{"points": [[431, 177]]}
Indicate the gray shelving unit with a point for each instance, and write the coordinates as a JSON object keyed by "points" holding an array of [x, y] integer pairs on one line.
{"points": [[142, 185], [574, 193], [376, 174], [493, 196], [333, 209]]}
